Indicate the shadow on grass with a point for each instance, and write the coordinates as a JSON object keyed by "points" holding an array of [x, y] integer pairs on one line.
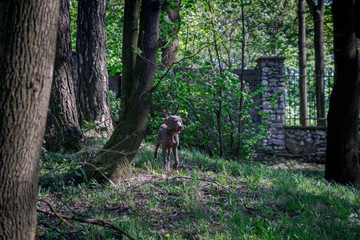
{"points": [[240, 200]]}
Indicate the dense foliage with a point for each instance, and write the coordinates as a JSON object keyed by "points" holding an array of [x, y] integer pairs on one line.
{"points": [[196, 94], [215, 38]]}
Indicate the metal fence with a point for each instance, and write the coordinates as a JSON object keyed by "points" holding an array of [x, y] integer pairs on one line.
{"points": [[293, 98]]}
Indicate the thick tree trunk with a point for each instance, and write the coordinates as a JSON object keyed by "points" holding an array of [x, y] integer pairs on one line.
{"points": [[119, 151], [93, 95], [342, 154], [304, 112], [171, 44], [62, 127], [318, 16], [27, 51], [130, 40]]}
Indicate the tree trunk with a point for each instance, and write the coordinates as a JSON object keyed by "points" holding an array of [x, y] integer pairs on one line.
{"points": [[342, 153], [170, 45], [318, 16], [27, 51], [93, 95], [130, 40], [62, 127], [304, 112], [118, 153], [241, 101]]}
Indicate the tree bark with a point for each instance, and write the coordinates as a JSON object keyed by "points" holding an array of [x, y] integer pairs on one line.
{"points": [[171, 44], [27, 51], [304, 112], [62, 127], [118, 153], [242, 83], [130, 41], [318, 15], [342, 154], [93, 95]]}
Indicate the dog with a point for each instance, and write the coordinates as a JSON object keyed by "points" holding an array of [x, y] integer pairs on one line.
{"points": [[168, 137]]}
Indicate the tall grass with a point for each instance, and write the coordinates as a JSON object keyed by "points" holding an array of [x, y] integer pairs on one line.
{"points": [[209, 198]]}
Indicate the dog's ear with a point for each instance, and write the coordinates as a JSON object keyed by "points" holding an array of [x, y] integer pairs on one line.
{"points": [[165, 113], [167, 120]]}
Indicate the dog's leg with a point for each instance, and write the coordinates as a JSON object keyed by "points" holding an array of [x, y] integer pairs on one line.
{"points": [[156, 150], [168, 169], [176, 157], [166, 160], [164, 155]]}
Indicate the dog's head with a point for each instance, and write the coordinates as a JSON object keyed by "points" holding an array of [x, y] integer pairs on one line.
{"points": [[174, 123]]}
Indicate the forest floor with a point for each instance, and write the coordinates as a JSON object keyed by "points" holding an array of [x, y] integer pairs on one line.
{"points": [[209, 198]]}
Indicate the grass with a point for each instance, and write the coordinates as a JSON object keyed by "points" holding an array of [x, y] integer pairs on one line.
{"points": [[209, 198]]}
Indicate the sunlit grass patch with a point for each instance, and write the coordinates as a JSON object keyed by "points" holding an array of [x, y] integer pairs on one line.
{"points": [[208, 198]]}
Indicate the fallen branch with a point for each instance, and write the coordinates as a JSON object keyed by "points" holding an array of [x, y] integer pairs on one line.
{"points": [[55, 213], [85, 220]]}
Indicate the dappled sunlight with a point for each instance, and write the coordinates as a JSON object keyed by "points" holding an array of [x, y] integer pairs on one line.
{"points": [[210, 197]]}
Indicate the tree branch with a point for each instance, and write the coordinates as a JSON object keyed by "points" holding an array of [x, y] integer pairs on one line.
{"points": [[55, 213], [312, 6], [191, 56]]}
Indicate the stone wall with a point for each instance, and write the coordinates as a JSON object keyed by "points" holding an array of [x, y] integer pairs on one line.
{"points": [[305, 139], [291, 141], [272, 76], [306, 142], [252, 78]]}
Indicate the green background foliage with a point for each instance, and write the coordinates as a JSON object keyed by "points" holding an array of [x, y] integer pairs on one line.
{"points": [[270, 29]]}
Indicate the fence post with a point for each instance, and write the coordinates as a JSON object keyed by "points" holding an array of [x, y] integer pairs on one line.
{"points": [[272, 75]]}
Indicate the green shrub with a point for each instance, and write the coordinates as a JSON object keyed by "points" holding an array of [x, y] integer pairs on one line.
{"points": [[198, 94]]}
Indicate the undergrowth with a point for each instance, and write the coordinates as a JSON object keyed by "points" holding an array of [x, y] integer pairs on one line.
{"points": [[209, 198]]}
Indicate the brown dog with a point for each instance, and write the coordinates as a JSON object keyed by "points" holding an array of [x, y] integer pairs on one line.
{"points": [[168, 137]]}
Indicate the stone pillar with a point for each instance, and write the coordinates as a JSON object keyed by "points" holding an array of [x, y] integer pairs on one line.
{"points": [[272, 75]]}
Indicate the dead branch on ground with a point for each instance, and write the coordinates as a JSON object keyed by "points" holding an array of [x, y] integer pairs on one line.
{"points": [[82, 220]]}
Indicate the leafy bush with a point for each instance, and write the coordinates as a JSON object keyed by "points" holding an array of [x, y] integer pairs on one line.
{"points": [[208, 100]]}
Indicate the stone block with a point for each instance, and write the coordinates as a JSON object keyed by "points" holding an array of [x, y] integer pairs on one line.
{"points": [[278, 142], [265, 69]]}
